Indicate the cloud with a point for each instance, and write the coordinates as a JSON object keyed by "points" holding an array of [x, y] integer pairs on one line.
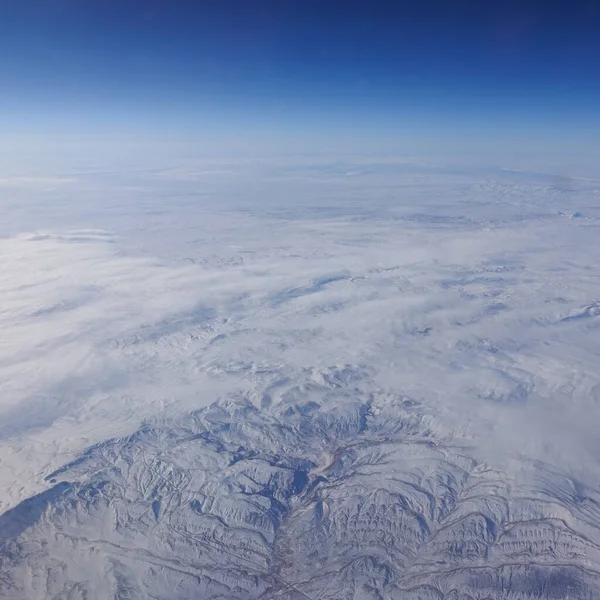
{"points": [[35, 181], [467, 294]]}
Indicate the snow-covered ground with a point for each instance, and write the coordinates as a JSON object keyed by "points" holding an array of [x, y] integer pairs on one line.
{"points": [[299, 378]]}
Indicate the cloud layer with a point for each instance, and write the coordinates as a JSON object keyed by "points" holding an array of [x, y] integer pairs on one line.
{"points": [[473, 292]]}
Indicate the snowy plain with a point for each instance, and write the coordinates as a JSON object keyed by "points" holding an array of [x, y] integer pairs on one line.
{"points": [[408, 348]]}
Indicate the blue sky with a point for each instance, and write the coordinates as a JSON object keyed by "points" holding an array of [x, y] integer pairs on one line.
{"points": [[298, 67]]}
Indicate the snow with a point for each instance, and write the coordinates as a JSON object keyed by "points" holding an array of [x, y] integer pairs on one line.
{"points": [[270, 379]]}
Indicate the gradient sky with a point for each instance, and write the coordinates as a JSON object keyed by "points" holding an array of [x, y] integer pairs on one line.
{"points": [[181, 66]]}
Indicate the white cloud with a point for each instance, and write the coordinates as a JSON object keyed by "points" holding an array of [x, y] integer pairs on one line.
{"points": [[21, 181], [454, 288]]}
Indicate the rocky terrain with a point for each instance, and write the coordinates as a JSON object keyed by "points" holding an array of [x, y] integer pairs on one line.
{"points": [[339, 490]]}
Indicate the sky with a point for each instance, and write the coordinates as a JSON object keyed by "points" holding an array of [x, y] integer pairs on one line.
{"points": [[290, 68]]}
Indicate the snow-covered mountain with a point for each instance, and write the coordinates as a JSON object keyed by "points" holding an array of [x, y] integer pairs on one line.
{"points": [[344, 381], [342, 490]]}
